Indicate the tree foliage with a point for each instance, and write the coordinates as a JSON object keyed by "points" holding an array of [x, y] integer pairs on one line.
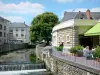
{"points": [[41, 26]]}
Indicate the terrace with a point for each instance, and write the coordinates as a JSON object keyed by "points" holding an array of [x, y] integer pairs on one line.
{"points": [[78, 61]]}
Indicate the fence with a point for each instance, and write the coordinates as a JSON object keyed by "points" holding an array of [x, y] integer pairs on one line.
{"points": [[79, 60], [9, 47]]}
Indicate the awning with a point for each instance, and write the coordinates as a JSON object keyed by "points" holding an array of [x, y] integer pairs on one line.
{"points": [[93, 31]]}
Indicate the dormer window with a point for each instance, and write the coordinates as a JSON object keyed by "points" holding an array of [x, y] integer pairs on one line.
{"points": [[91, 18], [81, 18]]}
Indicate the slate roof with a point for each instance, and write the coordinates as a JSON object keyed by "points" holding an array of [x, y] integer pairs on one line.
{"points": [[75, 15], [2, 19], [18, 24], [68, 16]]}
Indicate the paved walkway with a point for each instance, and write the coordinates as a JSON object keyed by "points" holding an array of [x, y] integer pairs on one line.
{"points": [[80, 60]]}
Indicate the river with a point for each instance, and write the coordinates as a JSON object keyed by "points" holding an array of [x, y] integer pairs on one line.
{"points": [[18, 63]]}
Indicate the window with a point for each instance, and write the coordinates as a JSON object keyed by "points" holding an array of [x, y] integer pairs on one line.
{"points": [[16, 29], [4, 41], [82, 16], [4, 27], [0, 27], [11, 34], [22, 29], [11, 30], [0, 40], [68, 38], [0, 34], [4, 34], [16, 35], [91, 18], [22, 35]]}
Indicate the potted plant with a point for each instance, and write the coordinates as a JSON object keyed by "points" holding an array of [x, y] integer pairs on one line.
{"points": [[77, 50], [59, 48], [97, 53]]}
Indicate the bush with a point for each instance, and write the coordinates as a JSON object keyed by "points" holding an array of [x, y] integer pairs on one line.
{"points": [[97, 52], [59, 48], [33, 58], [76, 48]]}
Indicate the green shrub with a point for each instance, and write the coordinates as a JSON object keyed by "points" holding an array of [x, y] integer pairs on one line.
{"points": [[33, 58], [76, 48], [59, 48], [97, 52]]}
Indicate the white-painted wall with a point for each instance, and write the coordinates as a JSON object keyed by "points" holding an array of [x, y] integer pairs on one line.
{"points": [[4, 39], [69, 23], [24, 39], [54, 39], [62, 25]]}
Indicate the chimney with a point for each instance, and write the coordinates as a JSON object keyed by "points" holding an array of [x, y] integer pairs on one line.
{"points": [[79, 12], [88, 14], [65, 13]]}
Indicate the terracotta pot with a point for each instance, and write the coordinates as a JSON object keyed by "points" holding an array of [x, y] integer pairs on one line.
{"points": [[98, 59], [73, 54]]}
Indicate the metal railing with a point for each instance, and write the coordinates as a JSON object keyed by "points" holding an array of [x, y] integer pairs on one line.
{"points": [[80, 60]]}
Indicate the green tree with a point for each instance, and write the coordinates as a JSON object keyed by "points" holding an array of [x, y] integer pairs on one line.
{"points": [[41, 27]]}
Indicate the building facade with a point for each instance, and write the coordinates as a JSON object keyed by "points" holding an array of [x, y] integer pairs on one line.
{"points": [[18, 33], [4, 28], [72, 28]]}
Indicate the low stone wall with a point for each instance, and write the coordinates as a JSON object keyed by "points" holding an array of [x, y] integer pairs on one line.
{"points": [[63, 67], [60, 66], [9, 47]]}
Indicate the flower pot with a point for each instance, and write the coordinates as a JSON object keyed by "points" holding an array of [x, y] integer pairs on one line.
{"points": [[79, 53], [98, 59]]}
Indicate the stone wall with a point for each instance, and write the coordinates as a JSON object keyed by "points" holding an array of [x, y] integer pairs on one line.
{"points": [[76, 35], [72, 32], [9, 47], [60, 66], [65, 35]]}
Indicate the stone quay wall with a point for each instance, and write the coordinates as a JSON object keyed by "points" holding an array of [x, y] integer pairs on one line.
{"points": [[60, 66], [10, 47]]}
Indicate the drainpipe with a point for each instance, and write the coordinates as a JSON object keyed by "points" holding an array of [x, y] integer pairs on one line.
{"points": [[72, 32], [72, 35]]}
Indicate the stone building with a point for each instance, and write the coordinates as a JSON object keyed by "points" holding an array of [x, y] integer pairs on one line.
{"points": [[4, 28], [18, 33], [72, 28]]}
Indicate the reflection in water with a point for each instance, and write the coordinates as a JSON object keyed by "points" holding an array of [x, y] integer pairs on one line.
{"points": [[19, 56]]}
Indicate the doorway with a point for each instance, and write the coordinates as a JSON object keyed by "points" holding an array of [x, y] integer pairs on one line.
{"points": [[86, 41], [91, 41]]}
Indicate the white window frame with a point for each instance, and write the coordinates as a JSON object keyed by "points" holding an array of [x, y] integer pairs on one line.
{"points": [[68, 38]]}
